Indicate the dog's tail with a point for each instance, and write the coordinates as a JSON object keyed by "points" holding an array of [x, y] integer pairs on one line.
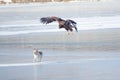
{"points": [[40, 52], [41, 55]]}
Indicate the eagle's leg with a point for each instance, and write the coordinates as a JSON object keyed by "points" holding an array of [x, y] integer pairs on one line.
{"points": [[70, 32]]}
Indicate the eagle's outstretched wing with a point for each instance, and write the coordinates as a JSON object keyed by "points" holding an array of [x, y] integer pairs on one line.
{"points": [[71, 21], [67, 24], [47, 20], [71, 24]]}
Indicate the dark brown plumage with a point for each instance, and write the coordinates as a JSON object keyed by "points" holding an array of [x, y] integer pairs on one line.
{"points": [[67, 24]]}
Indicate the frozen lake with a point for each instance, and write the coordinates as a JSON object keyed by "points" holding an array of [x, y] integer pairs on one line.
{"points": [[91, 54]]}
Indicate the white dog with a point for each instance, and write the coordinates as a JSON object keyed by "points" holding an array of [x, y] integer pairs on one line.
{"points": [[37, 55]]}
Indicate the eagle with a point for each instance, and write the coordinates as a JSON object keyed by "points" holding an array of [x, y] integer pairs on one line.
{"points": [[68, 24]]}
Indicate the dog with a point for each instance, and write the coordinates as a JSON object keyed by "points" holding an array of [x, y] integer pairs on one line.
{"points": [[37, 55]]}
